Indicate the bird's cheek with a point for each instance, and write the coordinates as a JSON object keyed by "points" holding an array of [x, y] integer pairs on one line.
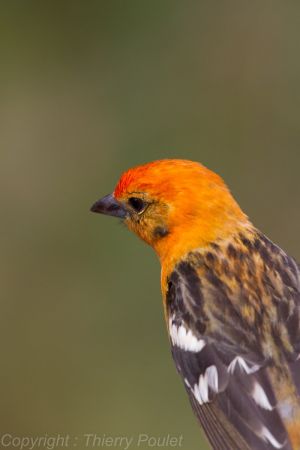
{"points": [[149, 229], [137, 228], [130, 224], [146, 232]]}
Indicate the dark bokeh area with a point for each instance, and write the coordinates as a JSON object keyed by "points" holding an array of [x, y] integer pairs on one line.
{"points": [[89, 89]]}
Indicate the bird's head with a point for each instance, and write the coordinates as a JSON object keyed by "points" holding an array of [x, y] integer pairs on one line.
{"points": [[174, 205]]}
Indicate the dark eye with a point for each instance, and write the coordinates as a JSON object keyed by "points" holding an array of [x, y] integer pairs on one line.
{"points": [[137, 204]]}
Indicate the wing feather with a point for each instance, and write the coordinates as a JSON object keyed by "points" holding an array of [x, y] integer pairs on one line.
{"points": [[218, 352], [218, 430]]}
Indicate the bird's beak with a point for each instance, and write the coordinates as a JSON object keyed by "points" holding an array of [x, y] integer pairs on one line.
{"points": [[110, 206]]}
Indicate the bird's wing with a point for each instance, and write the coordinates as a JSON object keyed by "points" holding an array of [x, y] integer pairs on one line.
{"points": [[219, 349], [236, 407]]}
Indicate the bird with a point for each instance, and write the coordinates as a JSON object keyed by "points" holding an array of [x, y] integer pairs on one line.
{"points": [[231, 300]]}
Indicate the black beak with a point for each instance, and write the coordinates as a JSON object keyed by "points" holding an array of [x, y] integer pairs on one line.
{"points": [[110, 206]]}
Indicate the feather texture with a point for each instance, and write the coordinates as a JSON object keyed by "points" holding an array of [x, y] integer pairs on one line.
{"points": [[243, 329]]}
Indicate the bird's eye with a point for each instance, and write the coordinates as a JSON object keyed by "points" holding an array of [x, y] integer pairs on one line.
{"points": [[137, 204]]}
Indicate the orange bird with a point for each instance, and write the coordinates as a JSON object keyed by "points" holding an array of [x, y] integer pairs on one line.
{"points": [[231, 300]]}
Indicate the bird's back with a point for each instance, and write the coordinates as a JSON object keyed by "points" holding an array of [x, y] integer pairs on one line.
{"points": [[234, 319]]}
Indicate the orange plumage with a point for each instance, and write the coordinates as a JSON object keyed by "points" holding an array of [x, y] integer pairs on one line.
{"points": [[231, 301], [198, 206]]}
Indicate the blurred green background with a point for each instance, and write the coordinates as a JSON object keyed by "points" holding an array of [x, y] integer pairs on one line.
{"points": [[89, 89]]}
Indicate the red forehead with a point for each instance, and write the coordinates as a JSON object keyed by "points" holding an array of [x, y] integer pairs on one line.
{"points": [[161, 176], [145, 177], [128, 180]]}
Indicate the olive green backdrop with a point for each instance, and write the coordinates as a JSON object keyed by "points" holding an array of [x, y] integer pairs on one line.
{"points": [[88, 89]]}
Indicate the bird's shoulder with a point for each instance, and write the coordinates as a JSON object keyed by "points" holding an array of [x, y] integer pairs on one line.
{"points": [[247, 286]]}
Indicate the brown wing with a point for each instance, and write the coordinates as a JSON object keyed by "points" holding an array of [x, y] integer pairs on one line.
{"points": [[221, 323]]}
